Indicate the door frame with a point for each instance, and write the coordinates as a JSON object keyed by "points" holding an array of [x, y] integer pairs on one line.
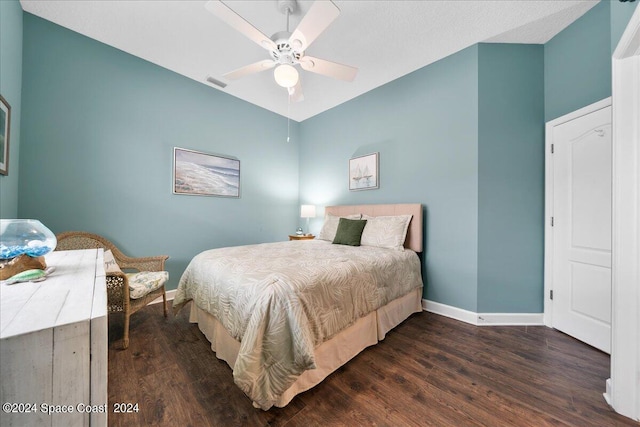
{"points": [[623, 388], [548, 200]]}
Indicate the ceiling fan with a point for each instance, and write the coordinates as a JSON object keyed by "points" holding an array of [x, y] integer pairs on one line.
{"points": [[287, 49]]}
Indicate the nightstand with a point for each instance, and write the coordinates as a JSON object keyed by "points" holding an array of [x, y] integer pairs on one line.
{"points": [[301, 237]]}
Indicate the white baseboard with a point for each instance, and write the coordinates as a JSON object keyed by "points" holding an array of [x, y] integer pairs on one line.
{"points": [[484, 319], [450, 311], [607, 393], [478, 319], [170, 295], [511, 319]]}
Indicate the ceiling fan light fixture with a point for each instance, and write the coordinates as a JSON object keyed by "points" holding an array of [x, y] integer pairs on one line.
{"points": [[286, 75]]}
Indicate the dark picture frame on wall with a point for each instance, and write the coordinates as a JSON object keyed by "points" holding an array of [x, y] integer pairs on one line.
{"points": [[5, 127], [204, 174], [363, 172]]}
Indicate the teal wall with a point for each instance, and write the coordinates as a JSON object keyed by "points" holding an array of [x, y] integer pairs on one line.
{"points": [[11, 90], [510, 178], [577, 63], [578, 60], [100, 126], [425, 127], [462, 136]]}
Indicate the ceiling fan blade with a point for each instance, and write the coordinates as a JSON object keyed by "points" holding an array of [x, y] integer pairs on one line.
{"points": [[319, 17], [237, 22], [295, 93], [328, 68], [256, 67]]}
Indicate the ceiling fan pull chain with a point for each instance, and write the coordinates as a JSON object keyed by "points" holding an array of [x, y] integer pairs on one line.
{"points": [[288, 115]]}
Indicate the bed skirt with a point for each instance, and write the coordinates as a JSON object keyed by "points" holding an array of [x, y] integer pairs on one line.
{"points": [[329, 355]]}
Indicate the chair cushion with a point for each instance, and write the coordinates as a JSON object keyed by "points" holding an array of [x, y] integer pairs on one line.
{"points": [[140, 284]]}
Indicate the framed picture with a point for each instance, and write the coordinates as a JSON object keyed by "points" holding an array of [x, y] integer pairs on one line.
{"points": [[5, 122], [205, 174], [363, 172]]}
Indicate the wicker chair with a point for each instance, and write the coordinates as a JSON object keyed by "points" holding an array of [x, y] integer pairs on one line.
{"points": [[118, 283]]}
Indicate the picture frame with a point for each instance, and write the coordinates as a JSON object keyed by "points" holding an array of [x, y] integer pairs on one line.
{"points": [[204, 174], [363, 172], [5, 133]]}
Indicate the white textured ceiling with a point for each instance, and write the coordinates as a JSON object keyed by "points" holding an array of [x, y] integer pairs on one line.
{"points": [[384, 39]]}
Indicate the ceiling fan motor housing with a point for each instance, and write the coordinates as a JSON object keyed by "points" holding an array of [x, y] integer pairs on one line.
{"points": [[284, 53]]}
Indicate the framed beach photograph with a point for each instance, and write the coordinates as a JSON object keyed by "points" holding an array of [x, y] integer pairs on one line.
{"points": [[203, 174], [363, 172], [5, 122]]}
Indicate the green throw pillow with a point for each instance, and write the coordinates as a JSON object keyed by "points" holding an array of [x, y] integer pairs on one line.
{"points": [[349, 231]]}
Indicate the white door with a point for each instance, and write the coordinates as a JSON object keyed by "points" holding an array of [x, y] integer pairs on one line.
{"points": [[582, 228]]}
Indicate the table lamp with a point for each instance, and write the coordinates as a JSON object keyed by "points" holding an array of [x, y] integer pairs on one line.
{"points": [[307, 211]]}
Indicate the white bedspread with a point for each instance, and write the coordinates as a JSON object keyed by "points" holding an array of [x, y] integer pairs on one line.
{"points": [[281, 300]]}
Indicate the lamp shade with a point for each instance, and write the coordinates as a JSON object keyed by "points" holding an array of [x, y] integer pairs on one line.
{"points": [[307, 211], [286, 75]]}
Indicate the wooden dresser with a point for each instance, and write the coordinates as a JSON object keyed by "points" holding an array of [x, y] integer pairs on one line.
{"points": [[53, 345]]}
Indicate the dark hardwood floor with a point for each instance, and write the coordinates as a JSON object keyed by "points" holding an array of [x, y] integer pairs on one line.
{"points": [[430, 370]]}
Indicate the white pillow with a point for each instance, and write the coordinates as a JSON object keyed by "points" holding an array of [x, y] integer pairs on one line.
{"points": [[110, 264], [330, 226], [385, 231]]}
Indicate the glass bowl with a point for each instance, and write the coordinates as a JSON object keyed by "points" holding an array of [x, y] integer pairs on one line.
{"points": [[25, 236]]}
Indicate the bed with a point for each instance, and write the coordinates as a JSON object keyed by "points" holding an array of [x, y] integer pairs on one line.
{"points": [[285, 315]]}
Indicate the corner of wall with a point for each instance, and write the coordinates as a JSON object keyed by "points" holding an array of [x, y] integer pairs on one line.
{"points": [[510, 178]]}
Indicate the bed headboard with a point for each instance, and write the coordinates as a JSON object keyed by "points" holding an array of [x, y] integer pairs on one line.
{"points": [[414, 233]]}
